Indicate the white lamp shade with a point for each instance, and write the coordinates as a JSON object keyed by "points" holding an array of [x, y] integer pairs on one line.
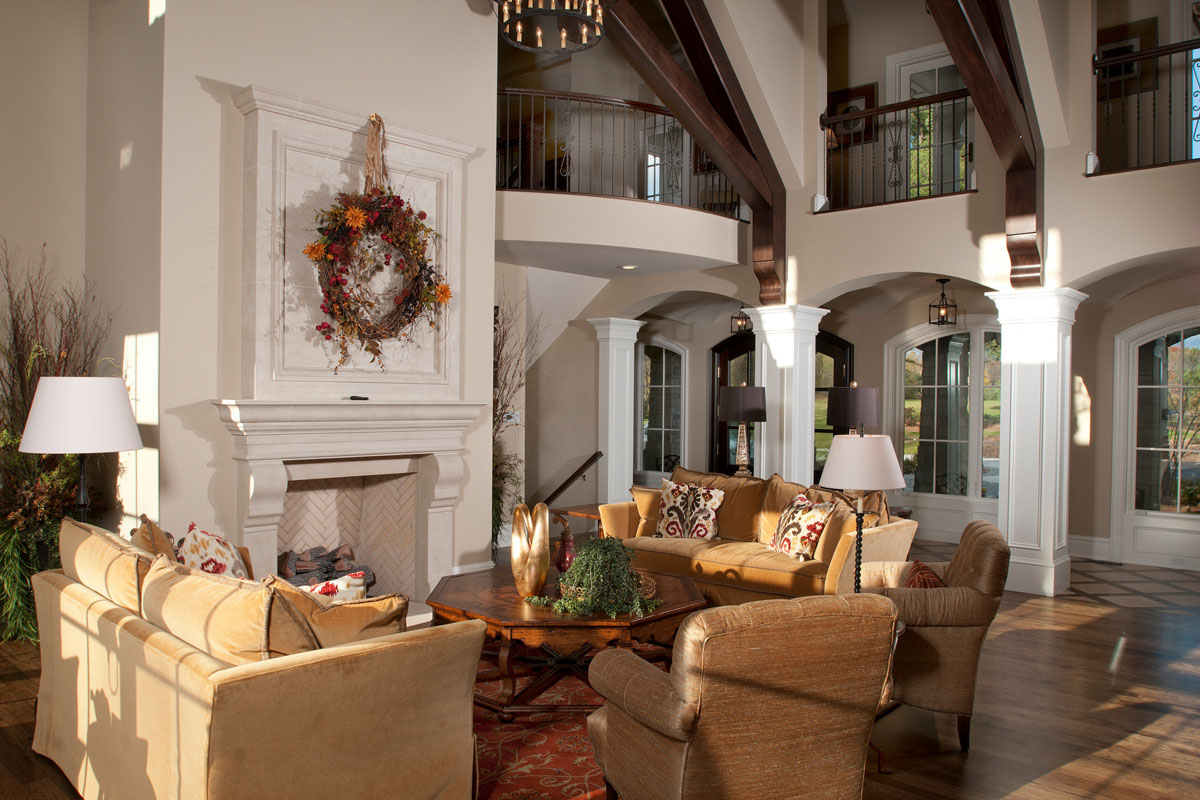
{"points": [[862, 463], [80, 415]]}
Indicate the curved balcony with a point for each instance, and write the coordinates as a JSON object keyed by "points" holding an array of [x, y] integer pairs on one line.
{"points": [[592, 145]]}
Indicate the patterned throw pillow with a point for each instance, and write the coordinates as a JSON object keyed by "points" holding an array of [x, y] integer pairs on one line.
{"points": [[800, 527], [210, 553], [920, 576], [688, 512]]}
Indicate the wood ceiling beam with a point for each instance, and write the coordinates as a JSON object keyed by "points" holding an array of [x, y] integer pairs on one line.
{"points": [[981, 62], [647, 55], [719, 118], [974, 33]]}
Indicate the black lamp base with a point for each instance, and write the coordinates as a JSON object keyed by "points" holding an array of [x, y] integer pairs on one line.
{"points": [[858, 554], [81, 497]]}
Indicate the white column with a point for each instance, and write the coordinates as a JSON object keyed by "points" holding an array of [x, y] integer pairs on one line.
{"points": [[615, 405], [1035, 423], [786, 360]]}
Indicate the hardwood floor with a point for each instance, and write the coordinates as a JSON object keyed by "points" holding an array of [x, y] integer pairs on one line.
{"points": [[1076, 698]]}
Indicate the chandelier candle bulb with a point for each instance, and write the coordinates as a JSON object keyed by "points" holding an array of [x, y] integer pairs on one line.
{"points": [[520, 33], [539, 36], [583, 33], [564, 38]]}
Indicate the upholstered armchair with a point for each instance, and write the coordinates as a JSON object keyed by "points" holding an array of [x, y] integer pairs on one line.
{"points": [[769, 699], [937, 657]]}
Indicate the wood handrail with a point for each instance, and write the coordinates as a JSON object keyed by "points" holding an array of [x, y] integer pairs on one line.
{"points": [[592, 459], [590, 98], [1165, 50], [892, 108]]}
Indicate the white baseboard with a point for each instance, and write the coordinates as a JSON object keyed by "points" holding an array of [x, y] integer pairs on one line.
{"points": [[1095, 548], [462, 569]]}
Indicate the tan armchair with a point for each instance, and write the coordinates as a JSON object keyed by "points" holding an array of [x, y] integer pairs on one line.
{"points": [[938, 656], [773, 698]]}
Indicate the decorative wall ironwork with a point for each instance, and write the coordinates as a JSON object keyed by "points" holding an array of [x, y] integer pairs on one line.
{"points": [[1147, 104], [585, 144], [926, 149]]}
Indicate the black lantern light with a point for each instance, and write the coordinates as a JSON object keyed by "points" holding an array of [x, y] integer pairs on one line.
{"points": [[740, 322], [943, 312]]}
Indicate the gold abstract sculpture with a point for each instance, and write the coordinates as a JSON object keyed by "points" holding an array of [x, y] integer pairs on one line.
{"points": [[530, 548]]}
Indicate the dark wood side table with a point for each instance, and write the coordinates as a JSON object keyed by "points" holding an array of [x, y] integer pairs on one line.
{"points": [[548, 644]]}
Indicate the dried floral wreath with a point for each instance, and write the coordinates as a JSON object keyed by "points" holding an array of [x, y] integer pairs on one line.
{"points": [[364, 236]]}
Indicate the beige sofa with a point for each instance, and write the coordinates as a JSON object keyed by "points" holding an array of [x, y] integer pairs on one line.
{"points": [[739, 565], [128, 710]]}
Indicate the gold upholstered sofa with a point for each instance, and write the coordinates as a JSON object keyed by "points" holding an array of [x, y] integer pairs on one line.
{"points": [[739, 565], [162, 683]]}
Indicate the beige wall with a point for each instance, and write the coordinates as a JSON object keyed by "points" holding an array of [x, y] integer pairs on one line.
{"points": [[1097, 322], [424, 75], [561, 428], [510, 293], [44, 61], [124, 223]]}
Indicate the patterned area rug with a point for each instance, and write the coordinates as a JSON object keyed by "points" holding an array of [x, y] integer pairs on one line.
{"points": [[542, 756]]}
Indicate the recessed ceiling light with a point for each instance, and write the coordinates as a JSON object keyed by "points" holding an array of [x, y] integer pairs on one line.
{"points": [[629, 266]]}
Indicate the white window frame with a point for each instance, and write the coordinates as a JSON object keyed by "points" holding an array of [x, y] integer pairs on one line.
{"points": [[942, 516], [641, 476], [1142, 536]]}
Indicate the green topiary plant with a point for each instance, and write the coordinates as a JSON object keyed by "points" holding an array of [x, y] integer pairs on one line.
{"points": [[600, 581]]}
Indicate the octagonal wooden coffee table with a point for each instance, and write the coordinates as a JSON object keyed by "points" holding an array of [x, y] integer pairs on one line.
{"points": [[539, 641]]}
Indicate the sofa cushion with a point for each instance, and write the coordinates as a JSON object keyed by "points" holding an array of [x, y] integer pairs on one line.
{"points": [[800, 527], [730, 563], [234, 621], [688, 512], [873, 502], [780, 493], [153, 539], [647, 501], [103, 562], [337, 622], [738, 516]]}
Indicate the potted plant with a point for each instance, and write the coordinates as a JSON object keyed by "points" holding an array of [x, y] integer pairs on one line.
{"points": [[600, 581], [43, 331]]}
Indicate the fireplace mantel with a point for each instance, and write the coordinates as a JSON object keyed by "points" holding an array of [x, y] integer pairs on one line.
{"points": [[268, 435]]}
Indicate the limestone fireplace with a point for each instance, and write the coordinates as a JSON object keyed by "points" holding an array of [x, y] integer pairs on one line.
{"points": [[294, 420]]}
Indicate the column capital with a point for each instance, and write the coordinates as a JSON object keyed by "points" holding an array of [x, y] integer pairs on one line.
{"points": [[786, 318], [616, 328], [1036, 305]]}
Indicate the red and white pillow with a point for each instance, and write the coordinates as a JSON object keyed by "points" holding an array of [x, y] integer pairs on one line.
{"points": [[210, 553], [347, 587], [800, 527], [688, 512]]}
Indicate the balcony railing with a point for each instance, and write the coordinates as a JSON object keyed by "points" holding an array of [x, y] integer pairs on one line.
{"points": [[902, 151], [568, 142], [1147, 105]]}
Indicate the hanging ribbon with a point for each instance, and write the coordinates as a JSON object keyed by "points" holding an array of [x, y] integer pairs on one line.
{"points": [[376, 168]]}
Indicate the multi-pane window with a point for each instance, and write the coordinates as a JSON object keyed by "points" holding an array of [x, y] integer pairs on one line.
{"points": [[661, 430], [937, 134], [936, 415], [1167, 461], [990, 486]]}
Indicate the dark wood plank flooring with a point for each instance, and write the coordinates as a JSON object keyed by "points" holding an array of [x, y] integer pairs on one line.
{"points": [[1076, 699]]}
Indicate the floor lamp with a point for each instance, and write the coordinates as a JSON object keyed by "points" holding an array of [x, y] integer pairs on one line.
{"points": [[862, 463], [80, 415], [742, 404]]}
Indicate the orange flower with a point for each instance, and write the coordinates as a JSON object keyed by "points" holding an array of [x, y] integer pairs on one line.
{"points": [[356, 218], [315, 251], [443, 293]]}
